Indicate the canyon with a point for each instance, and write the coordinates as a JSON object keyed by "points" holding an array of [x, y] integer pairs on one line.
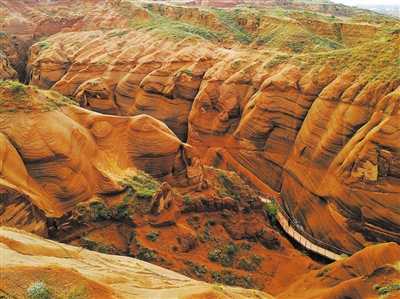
{"points": [[146, 129]]}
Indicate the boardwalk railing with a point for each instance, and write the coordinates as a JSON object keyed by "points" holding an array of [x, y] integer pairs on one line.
{"points": [[297, 233]]}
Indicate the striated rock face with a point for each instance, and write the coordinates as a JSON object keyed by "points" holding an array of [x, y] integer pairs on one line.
{"points": [[24, 23], [6, 71], [321, 130], [305, 108], [360, 276], [50, 169]]}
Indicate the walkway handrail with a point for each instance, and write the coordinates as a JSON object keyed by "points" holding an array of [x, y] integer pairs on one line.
{"points": [[322, 248]]}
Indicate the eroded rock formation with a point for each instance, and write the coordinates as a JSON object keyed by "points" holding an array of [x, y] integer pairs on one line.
{"points": [[322, 131], [360, 276], [81, 155], [304, 107]]}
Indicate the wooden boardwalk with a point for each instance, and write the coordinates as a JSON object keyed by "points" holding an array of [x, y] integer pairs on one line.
{"points": [[303, 238]]}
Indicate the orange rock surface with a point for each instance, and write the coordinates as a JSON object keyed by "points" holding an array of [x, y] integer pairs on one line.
{"points": [[69, 270], [301, 105], [360, 276]]}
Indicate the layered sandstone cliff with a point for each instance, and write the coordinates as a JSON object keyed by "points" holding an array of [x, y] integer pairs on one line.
{"points": [[81, 155], [301, 105], [321, 130]]}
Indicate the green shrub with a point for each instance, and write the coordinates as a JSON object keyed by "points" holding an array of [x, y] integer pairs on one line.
{"points": [[210, 223], [145, 254], [245, 264], [344, 256], [225, 277], [226, 260], [246, 246], [43, 45], [228, 184], [384, 290], [323, 272], [89, 243], [14, 109], [16, 86], [257, 259], [232, 248], [39, 290], [272, 210], [99, 211], [104, 248], [214, 255], [152, 235], [199, 271], [121, 211]]}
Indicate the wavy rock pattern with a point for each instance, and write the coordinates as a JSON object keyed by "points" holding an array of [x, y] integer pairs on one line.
{"points": [[47, 170], [324, 137], [354, 277], [6, 71]]}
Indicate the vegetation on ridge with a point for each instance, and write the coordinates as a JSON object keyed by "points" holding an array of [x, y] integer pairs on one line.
{"points": [[17, 97]]}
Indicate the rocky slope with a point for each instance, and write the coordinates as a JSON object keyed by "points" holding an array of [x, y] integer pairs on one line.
{"points": [[70, 272], [81, 156], [369, 273], [28, 259], [301, 105], [318, 128], [78, 181]]}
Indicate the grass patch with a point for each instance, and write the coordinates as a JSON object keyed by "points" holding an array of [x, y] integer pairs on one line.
{"points": [[18, 97], [139, 191], [279, 59], [119, 34], [43, 45], [227, 19], [166, 28], [103, 62]]}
